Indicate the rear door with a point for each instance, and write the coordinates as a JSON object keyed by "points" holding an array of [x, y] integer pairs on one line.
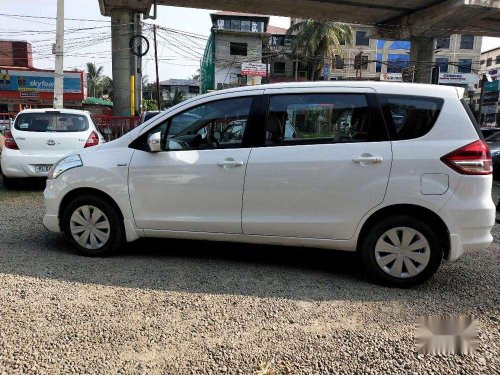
{"points": [[50, 133], [324, 163]]}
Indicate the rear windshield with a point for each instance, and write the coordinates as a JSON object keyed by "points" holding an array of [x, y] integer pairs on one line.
{"points": [[410, 117], [51, 122]]}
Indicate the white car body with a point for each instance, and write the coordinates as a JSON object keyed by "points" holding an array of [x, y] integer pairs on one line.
{"points": [[299, 195], [43, 148]]}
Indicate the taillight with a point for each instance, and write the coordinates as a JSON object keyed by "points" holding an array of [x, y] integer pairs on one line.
{"points": [[92, 141], [474, 158], [10, 142]]}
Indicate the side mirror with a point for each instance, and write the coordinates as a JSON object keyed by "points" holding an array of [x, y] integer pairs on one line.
{"points": [[154, 142]]}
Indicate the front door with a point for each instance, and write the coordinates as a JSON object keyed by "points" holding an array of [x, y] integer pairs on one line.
{"points": [[325, 163], [196, 183]]}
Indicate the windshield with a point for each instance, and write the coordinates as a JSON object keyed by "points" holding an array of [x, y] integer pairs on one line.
{"points": [[52, 122]]}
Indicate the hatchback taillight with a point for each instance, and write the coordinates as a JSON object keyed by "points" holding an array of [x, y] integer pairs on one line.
{"points": [[474, 158], [92, 141], [10, 142]]}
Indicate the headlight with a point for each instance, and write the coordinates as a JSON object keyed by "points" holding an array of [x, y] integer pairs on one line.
{"points": [[69, 162]]}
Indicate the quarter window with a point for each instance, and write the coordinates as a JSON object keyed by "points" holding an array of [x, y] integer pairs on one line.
{"points": [[321, 118], [410, 117]]}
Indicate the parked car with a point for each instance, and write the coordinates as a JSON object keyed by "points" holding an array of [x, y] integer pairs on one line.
{"points": [[148, 115], [404, 197], [489, 131], [40, 137]]}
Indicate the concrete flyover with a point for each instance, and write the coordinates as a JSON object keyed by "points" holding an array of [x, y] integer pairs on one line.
{"points": [[416, 20]]}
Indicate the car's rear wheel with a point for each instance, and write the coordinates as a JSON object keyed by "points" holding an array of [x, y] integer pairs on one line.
{"points": [[401, 251], [10, 183], [93, 226]]}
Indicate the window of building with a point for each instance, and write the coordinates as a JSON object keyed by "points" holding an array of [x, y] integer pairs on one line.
{"points": [[467, 42], [482, 62], [235, 25], [464, 65], [362, 39], [410, 117], [339, 62], [364, 62], [443, 43], [279, 67], [246, 26], [238, 49], [322, 118], [489, 60], [497, 60], [442, 64]]}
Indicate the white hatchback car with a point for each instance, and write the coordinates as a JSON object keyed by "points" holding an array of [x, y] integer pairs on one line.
{"points": [[40, 137], [396, 172]]}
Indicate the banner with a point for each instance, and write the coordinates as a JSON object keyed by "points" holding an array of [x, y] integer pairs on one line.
{"points": [[459, 78], [38, 81], [254, 69]]}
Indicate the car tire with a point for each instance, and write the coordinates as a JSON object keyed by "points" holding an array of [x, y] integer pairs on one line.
{"points": [[93, 226], [411, 261], [10, 183]]}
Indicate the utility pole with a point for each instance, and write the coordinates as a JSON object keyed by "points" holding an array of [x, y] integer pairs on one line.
{"points": [[158, 101], [59, 52], [296, 68], [484, 79]]}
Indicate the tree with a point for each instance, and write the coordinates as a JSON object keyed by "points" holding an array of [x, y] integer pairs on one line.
{"points": [[94, 77], [318, 42], [106, 86], [174, 99], [196, 76]]}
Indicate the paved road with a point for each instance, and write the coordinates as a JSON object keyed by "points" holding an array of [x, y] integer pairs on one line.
{"points": [[182, 307]]}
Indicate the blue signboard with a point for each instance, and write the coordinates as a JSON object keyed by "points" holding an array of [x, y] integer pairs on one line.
{"points": [[37, 81], [326, 72], [492, 86]]}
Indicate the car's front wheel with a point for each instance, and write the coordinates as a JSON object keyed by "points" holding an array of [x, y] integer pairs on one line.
{"points": [[93, 226], [401, 251]]}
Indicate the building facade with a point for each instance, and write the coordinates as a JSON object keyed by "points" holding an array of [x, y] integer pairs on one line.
{"points": [[189, 87], [490, 112]]}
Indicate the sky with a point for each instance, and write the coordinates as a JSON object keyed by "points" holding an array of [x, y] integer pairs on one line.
{"points": [[94, 43]]}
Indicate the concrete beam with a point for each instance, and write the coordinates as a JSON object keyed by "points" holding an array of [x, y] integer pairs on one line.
{"points": [[421, 54], [442, 19]]}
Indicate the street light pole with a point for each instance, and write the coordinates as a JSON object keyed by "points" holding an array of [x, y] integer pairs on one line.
{"points": [[59, 61]]}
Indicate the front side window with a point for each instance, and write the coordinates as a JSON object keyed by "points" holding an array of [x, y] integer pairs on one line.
{"points": [[443, 43], [467, 42], [321, 118], [52, 122], [410, 117], [219, 124]]}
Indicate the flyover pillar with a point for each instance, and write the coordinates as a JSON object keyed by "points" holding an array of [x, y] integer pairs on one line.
{"points": [[124, 64], [421, 56]]}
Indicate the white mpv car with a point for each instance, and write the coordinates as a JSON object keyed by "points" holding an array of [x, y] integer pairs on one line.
{"points": [[396, 172], [40, 137]]}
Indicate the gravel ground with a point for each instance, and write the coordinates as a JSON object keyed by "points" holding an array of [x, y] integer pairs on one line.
{"points": [[183, 307]]}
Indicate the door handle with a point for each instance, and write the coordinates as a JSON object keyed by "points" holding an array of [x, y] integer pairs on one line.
{"points": [[366, 159], [229, 163]]}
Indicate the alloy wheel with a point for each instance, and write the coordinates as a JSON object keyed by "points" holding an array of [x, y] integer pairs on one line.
{"points": [[90, 227], [402, 252]]}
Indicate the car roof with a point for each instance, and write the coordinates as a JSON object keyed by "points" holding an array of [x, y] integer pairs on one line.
{"points": [[418, 89], [62, 110]]}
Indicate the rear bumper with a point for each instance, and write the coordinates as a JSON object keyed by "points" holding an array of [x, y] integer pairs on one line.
{"points": [[470, 216], [17, 165]]}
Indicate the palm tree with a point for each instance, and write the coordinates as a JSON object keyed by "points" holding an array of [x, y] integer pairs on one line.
{"points": [[319, 41], [94, 77], [174, 99], [106, 85]]}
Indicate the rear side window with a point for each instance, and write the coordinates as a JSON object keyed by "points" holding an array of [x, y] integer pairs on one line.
{"points": [[51, 122], [322, 118], [410, 117]]}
